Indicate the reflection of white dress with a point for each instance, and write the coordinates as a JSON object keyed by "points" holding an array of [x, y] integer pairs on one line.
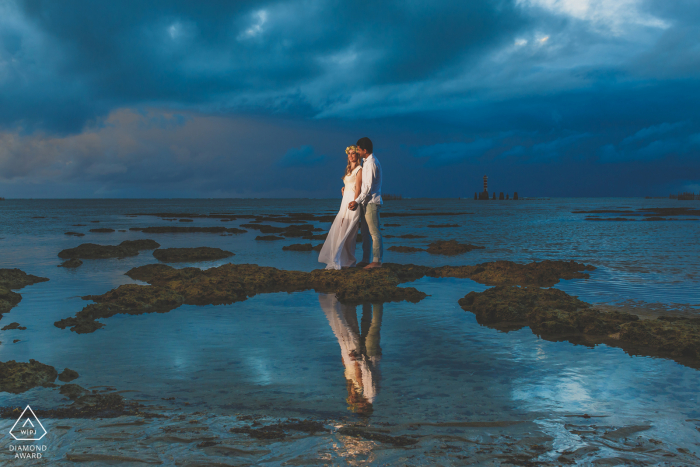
{"points": [[339, 249], [360, 369]]}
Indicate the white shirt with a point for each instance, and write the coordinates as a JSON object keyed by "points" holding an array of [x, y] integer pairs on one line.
{"points": [[371, 189]]}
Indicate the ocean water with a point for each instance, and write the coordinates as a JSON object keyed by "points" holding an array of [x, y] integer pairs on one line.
{"points": [[433, 370]]}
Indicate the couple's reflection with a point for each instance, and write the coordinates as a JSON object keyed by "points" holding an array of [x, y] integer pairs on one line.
{"points": [[359, 347]]}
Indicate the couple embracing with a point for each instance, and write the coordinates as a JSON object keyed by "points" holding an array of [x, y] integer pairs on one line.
{"points": [[362, 198]]}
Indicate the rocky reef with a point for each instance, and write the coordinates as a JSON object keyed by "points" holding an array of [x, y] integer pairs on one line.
{"points": [[303, 247], [202, 253], [71, 263], [95, 251], [14, 279], [450, 247], [17, 279], [170, 287], [556, 316], [673, 337], [439, 247], [542, 274], [84, 404], [268, 238], [128, 299], [177, 229], [17, 377], [68, 375], [405, 249], [8, 300]]}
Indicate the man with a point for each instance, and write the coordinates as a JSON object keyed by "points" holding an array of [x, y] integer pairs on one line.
{"points": [[369, 200]]}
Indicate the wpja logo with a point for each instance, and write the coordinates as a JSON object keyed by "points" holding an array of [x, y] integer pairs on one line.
{"points": [[28, 428]]}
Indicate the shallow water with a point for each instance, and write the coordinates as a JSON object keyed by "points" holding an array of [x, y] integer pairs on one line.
{"points": [[281, 355]]}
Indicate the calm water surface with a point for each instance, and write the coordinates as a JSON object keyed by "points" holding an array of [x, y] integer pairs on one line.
{"points": [[286, 355]]}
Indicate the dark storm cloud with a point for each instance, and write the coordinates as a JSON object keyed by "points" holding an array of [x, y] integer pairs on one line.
{"points": [[259, 98], [71, 61]]}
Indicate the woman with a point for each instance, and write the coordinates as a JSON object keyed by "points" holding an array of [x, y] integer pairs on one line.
{"points": [[339, 249]]}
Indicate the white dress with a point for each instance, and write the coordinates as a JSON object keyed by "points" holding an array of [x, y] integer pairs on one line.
{"points": [[339, 249]]}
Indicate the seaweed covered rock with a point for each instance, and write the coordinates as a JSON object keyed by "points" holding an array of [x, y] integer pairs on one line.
{"points": [[142, 244], [87, 404], [178, 229], [73, 391], [450, 247], [14, 279], [128, 298], [543, 274], [202, 253], [17, 279], [8, 299], [548, 312], [18, 377], [678, 338], [102, 230], [95, 251], [405, 249], [171, 287], [268, 238], [68, 375], [11, 326], [555, 315], [71, 263]]}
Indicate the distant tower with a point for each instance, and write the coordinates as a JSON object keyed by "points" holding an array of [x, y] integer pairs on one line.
{"points": [[486, 183]]}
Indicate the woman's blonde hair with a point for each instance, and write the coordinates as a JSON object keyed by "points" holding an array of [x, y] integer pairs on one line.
{"points": [[348, 169]]}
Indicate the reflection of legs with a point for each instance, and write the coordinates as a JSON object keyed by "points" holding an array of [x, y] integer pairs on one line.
{"points": [[372, 336], [365, 324], [366, 236], [372, 218]]}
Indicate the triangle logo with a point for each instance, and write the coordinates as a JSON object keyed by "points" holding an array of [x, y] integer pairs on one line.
{"points": [[28, 427]]}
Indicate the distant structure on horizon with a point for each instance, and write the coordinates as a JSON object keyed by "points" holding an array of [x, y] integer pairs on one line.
{"points": [[485, 194]]}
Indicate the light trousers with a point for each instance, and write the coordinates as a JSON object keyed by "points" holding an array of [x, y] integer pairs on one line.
{"points": [[371, 235]]}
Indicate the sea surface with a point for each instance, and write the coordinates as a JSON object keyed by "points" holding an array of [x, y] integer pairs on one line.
{"points": [[473, 394]]}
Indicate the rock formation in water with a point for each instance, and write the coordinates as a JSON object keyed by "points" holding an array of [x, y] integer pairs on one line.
{"points": [[202, 253], [170, 287], [95, 251], [14, 279], [556, 316]]}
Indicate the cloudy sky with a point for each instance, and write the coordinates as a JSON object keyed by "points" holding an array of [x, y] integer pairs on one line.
{"points": [[260, 98]]}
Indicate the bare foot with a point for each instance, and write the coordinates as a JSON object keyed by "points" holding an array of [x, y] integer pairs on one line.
{"points": [[373, 265]]}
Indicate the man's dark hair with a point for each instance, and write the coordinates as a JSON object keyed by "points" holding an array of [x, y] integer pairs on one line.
{"points": [[365, 144]]}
